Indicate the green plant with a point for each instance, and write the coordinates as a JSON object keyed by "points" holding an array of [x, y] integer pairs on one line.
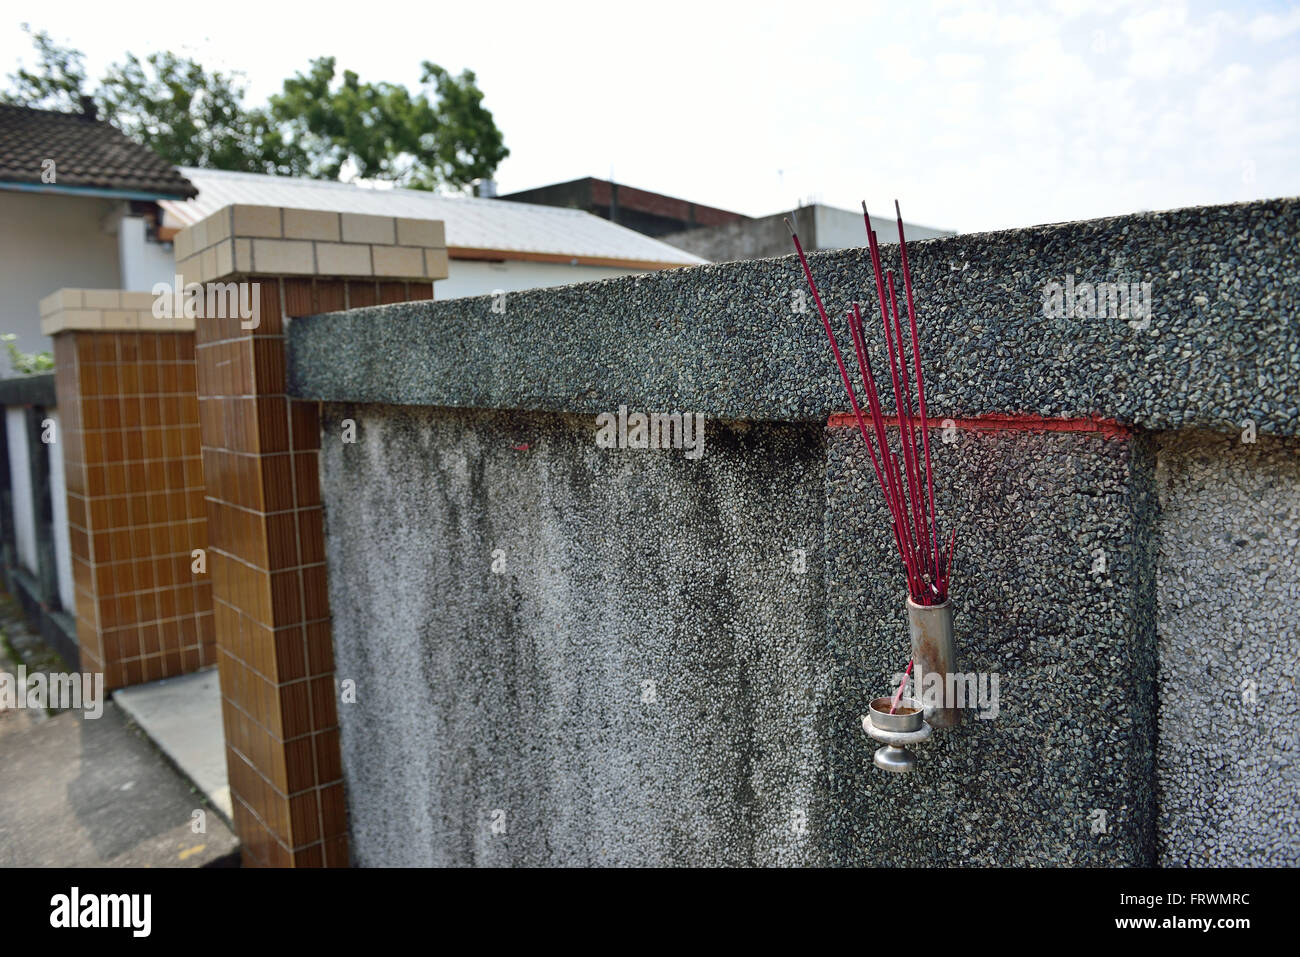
{"points": [[26, 363]]}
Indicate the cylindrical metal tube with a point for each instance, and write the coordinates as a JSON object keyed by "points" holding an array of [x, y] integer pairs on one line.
{"points": [[934, 660]]}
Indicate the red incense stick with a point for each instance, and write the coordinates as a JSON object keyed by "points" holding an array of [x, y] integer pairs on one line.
{"points": [[874, 248], [907, 437], [898, 695], [920, 386], [821, 310], [891, 493], [906, 549]]}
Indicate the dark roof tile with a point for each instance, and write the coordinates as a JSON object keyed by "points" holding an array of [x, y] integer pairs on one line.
{"points": [[86, 153]]}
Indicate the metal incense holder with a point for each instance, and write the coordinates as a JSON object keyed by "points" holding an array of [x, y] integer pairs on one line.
{"points": [[896, 731], [932, 654]]}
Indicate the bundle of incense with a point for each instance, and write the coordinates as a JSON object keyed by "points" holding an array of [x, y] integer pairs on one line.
{"points": [[908, 486]]}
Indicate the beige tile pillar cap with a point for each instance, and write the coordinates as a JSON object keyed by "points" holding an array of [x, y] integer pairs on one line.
{"points": [[279, 241], [110, 310]]}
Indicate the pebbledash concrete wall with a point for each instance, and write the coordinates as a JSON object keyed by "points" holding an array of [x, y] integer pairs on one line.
{"points": [[1229, 631], [563, 654], [604, 648]]}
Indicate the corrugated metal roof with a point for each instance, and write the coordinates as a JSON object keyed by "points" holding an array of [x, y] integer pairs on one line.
{"points": [[492, 224]]}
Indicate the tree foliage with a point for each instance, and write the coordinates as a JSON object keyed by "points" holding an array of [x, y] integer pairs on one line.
{"points": [[382, 131], [58, 82], [193, 117], [322, 124]]}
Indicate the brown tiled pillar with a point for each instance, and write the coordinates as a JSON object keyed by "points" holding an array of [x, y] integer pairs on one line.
{"points": [[266, 532], [125, 382]]}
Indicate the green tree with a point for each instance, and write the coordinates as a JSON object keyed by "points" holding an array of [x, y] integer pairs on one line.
{"points": [[382, 131], [194, 118], [172, 104], [320, 125], [58, 82], [466, 145]]}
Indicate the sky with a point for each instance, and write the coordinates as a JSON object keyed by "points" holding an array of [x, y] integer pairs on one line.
{"points": [[976, 116]]}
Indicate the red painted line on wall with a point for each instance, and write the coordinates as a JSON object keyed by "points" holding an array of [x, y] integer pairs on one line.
{"points": [[1108, 428]]}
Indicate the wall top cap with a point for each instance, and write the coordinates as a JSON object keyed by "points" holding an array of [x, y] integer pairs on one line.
{"points": [[244, 240], [1166, 320], [106, 310]]}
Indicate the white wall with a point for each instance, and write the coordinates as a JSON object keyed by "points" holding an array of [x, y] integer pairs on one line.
{"points": [[49, 242], [844, 229], [20, 481], [470, 277], [143, 263], [62, 540]]}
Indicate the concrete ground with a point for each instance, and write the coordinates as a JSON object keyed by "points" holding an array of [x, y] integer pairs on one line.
{"points": [[182, 716], [81, 792]]}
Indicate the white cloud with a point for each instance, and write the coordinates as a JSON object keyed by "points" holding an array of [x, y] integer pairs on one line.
{"points": [[1268, 26], [1165, 40], [975, 114], [1283, 82], [954, 65]]}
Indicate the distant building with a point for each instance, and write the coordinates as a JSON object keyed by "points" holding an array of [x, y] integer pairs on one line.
{"points": [[79, 207], [650, 213], [83, 206], [491, 244], [820, 227]]}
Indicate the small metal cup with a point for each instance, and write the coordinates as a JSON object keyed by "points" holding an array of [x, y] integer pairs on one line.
{"points": [[896, 731], [882, 719]]}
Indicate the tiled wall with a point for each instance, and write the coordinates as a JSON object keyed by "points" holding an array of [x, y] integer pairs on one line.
{"points": [[177, 441], [135, 496], [260, 459], [275, 652]]}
